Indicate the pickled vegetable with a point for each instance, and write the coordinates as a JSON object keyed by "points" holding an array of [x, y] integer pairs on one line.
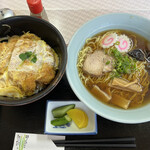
{"points": [[61, 121], [62, 110]]}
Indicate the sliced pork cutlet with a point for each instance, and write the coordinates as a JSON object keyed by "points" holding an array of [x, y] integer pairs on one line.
{"points": [[25, 74], [6, 49]]}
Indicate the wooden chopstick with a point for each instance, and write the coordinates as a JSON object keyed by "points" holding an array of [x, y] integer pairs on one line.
{"points": [[128, 142], [97, 145], [129, 139]]}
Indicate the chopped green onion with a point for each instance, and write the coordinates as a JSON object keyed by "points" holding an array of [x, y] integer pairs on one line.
{"points": [[108, 62], [123, 63], [117, 43]]}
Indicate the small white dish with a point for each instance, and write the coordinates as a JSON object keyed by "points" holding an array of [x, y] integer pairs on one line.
{"points": [[71, 128]]}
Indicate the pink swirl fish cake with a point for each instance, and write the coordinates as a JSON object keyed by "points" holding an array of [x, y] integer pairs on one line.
{"points": [[108, 39], [124, 44]]}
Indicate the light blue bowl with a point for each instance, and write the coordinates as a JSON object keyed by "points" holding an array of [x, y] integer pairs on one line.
{"points": [[130, 22]]}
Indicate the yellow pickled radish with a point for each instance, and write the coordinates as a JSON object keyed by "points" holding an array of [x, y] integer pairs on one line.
{"points": [[79, 117], [86, 121]]}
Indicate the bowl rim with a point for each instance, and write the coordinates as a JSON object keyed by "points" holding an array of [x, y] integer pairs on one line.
{"points": [[75, 87], [49, 88]]}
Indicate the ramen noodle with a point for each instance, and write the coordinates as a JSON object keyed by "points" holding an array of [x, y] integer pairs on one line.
{"points": [[113, 67]]}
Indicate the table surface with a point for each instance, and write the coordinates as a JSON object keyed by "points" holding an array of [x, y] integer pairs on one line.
{"points": [[30, 119], [68, 16]]}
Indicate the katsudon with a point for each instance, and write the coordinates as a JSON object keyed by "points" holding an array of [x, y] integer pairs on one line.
{"points": [[27, 65]]}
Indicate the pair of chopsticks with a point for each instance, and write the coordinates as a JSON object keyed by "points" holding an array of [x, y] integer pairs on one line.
{"points": [[108, 143]]}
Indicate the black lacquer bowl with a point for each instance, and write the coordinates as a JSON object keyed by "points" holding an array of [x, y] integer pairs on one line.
{"points": [[50, 34]]}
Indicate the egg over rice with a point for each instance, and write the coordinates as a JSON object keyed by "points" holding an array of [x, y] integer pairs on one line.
{"points": [[27, 65]]}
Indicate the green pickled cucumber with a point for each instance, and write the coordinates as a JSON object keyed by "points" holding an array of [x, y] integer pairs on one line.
{"points": [[61, 121], [62, 110]]}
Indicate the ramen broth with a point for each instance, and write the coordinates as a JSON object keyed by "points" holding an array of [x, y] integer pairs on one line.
{"points": [[104, 92]]}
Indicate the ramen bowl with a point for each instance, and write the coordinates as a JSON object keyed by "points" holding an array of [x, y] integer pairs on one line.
{"points": [[47, 32], [122, 21]]}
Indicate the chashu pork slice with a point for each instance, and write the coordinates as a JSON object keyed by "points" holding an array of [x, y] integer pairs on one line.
{"points": [[26, 74], [97, 63]]}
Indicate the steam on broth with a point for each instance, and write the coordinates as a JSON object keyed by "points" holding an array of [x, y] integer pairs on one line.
{"points": [[113, 66]]}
